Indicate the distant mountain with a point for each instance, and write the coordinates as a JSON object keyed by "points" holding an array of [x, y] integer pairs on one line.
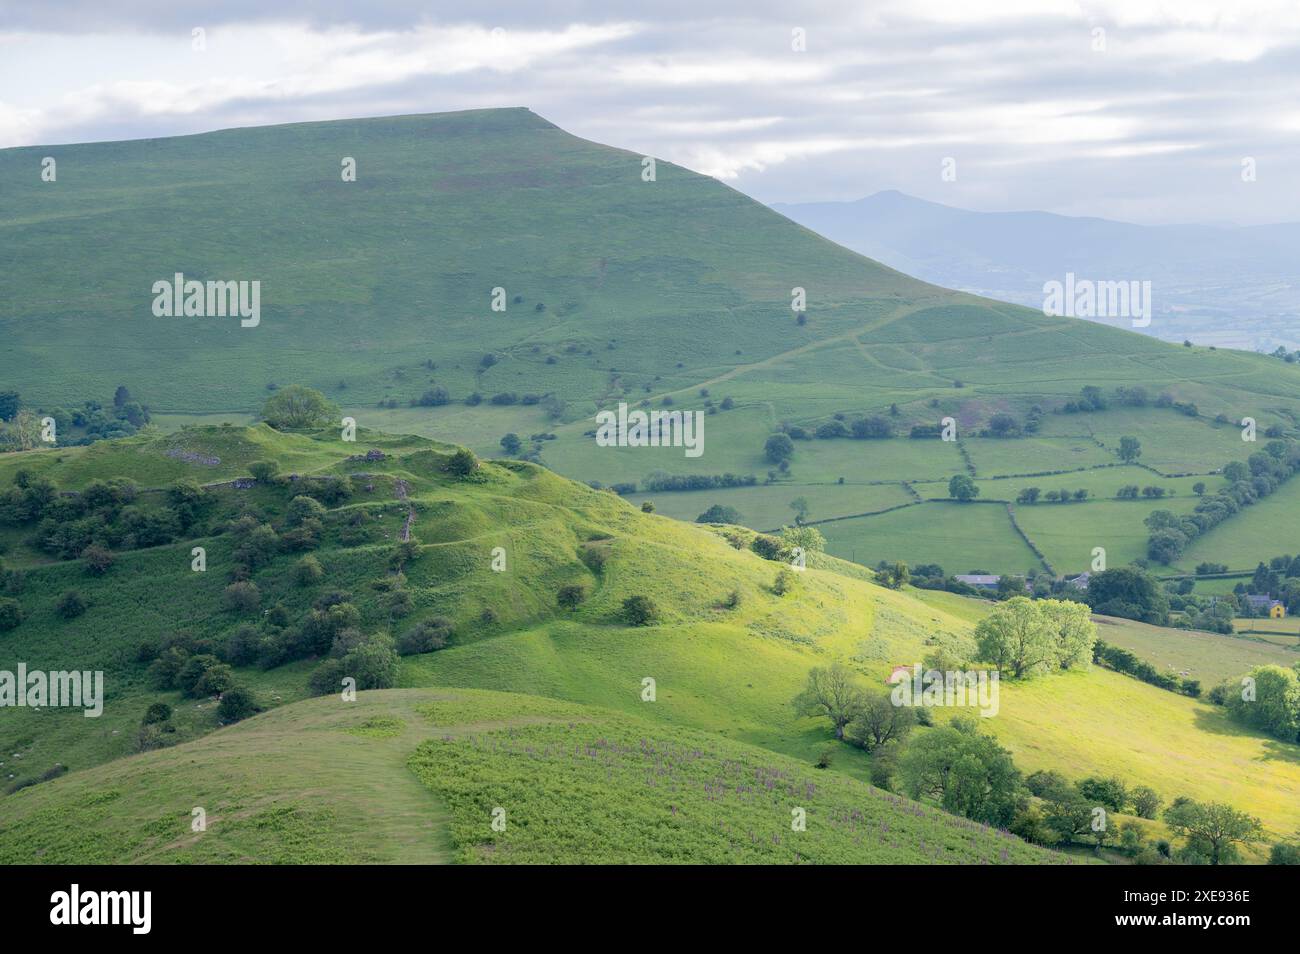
{"points": [[1221, 285]]}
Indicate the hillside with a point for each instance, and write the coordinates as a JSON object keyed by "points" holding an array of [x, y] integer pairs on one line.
{"points": [[379, 291], [726, 652], [413, 777]]}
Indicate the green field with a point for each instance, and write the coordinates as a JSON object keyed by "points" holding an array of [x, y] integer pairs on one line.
{"points": [[959, 537]]}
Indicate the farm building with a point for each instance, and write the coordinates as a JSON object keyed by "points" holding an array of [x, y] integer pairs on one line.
{"points": [[980, 581], [1260, 604]]}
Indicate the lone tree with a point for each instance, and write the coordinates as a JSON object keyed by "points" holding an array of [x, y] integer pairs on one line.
{"points": [[779, 448], [1213, 829], [961, 487], [462, 463], [297, 407], [830, 692], [879, 721], [1130, 449], [511, 444]]}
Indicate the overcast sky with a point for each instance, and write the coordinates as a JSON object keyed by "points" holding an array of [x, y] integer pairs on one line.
{"points": [[1148, 120]]}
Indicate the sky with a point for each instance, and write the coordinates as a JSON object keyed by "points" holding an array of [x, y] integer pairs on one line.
{"points": [[1140, 110]]}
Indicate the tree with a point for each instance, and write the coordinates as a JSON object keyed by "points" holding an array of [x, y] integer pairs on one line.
{"points": [[570, 596], [1016, 637], [1215, 828], [892, 576], [1072, 630], [830, 692], [462, 463], [966, 771], [1146, 803], [1028, 496], [879, 721], [1130, 449], [1128, 592], [1110, 793], [121, 397], [961, 487], [373, 664], [511, 444], [1275, 707], [801, 509], [720, 514], [778, 448], [640, 610], [808, 539], [298, 407], [1003, 425]]}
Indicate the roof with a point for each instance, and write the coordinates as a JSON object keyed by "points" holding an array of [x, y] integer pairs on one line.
{"points": [[978, 579], [1262, 599]]}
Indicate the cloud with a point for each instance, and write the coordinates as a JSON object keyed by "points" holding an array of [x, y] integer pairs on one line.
{"points": [[1039, 113]]}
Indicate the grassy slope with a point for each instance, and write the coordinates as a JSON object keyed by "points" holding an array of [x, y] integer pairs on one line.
{"points": [[650, 290], [727, 672], [329, 782]]}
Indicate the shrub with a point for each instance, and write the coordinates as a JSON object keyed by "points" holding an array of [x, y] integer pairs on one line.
{"points": [[98, 559], [236, 703], [308, 571], [243, 597], [70, 605], [243, 646], [156, 713], [640, 610], [192, 671], [426, 637], [215, 680], [263, 471], [297, 407], [303, 508]]}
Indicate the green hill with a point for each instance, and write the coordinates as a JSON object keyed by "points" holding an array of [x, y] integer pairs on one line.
{"points": [[379, 291], [727, 654], [413, 776]]}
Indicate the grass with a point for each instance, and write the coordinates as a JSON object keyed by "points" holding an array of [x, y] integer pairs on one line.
{"points": [[959, 537], [601, 789], [1210, 657]]}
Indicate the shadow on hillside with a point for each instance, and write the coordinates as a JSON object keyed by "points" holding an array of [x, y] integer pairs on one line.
{"points": [[1218, 722]]}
